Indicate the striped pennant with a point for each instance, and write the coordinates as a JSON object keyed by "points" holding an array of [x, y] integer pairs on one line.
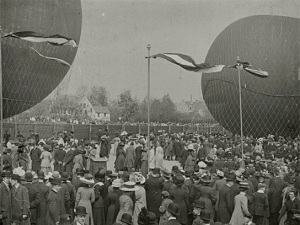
{"points": [[187, 63]]}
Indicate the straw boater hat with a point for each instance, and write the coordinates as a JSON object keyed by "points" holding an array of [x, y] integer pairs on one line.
{"points": [[116, 183], [138, 178], [87, 179], [129, 186], [202, 164]]}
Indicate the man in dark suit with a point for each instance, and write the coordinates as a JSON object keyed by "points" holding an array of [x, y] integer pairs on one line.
{"points": [[7, 163], [172, 213], [69, 205], [138, 157], [153, 187], [43, 190], [76, 180], [53, 203], [5, 198], [260, 206], [34, 197], [226, 201], [35, 155], [68, 160], [59, 156], [291, 207], [275, 197], [167, 183]]}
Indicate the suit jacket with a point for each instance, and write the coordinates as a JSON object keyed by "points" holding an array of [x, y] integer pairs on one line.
{"points": [[68, 160], [226, 204], [172, 222], [20, 202], [167, 185], [260, 205], [275, 197], [219, 164], [64, 198], [35, 155], [181, 198], [5, 202], [76, 182], [7, 163], [153, 187], [34, 199], [59, 157], [190, 185], [42, 209], [53, 208]]}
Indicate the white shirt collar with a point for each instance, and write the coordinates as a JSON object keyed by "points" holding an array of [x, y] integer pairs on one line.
{"points": [[17, 185], [172, 218], [260, 191]]}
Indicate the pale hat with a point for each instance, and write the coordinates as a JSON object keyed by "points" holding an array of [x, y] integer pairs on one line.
{"points": [[137, 178], [190, 147], [117, 183], [202, 164], [220, 173], [87, 179], [129, 186], [124, 133]]}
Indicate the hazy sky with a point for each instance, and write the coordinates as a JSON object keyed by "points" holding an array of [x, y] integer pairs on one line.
{"points": [[115, 35]]}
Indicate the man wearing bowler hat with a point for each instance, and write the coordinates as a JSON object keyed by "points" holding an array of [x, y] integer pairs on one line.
{"points": [[126, 219], [172, 213], [5, 198], [19, 200], [226, 200], [80, 214], [70, 205], [76, 180], [199, 205], [34, 197], [53, 202], [43, 190]]}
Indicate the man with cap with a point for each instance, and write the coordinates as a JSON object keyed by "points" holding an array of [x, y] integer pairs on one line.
{"points": [[167, 182], [76, 180], [59, 156], [172, 213], [66, 184], [153, 187], [260, 206], [5, 198], [226, 201], [43, 191], [205, 216], [164, 205], [198, 206], [80, 214], [35, 155], [53, 202], [20, 199], [126, 219], [34, 197]]}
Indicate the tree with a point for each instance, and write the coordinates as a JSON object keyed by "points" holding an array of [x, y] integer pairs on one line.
{"points": [[129, 106], [82, 91], [98, 96]]}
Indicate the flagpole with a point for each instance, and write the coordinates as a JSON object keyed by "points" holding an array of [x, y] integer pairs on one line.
{"points": [[1, 103], [148, 138], [239, 68]]}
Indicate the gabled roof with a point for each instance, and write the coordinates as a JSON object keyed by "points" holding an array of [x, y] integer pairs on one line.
{"points": [[101, 109]]}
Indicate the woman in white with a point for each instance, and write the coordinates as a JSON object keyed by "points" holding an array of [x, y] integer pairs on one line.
{"points": [[151, 156], [46, 158], [159, 156]]}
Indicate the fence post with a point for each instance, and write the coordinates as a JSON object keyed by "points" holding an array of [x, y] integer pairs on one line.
{"points": [[16, 130], [90, 132], [72, 127], [139, 128], [154, 128], [54, 128], [107, 126], [169, 129], [34, 127]]}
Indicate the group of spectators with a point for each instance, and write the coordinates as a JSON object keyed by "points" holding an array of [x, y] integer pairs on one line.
{"points": [[214, 180]]}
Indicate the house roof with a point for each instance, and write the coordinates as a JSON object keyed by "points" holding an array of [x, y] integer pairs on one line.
{"points": [[101, 109]]}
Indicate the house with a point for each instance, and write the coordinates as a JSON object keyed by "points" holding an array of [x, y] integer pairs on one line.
{"points": [[192, 107], [102, 113]]}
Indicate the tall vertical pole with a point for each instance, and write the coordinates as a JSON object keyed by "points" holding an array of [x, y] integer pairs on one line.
{"points": [[1, 103], [148, 138], [239, 68]]}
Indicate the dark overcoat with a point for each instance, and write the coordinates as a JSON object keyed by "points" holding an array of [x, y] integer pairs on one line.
{"points": [[35, 155], [181, 198], [68, 160], [59, 157], [226, 204], [20, 203], [153, 187], [53, 208], [42, 209], [5, 202], [34, 199]]}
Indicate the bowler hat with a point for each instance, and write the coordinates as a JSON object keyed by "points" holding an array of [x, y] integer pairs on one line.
{"points": [[175, 169], [165, 194], [64, 176], [80, 210], [260, 185], [6, 174], [151, 218], [28, 177], [79, 171], [230, 177], [199, 204], [55, 181], [65, 219], [15, 177], [173, 208], [244, 185], [205, 214], [188, 173], [41, 174], [126, 218]]}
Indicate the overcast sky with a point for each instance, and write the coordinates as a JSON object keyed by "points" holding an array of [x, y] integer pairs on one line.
{"points": [[115, 35]]}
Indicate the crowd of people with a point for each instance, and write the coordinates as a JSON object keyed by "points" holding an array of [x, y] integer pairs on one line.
{"points": [[213, 180]]}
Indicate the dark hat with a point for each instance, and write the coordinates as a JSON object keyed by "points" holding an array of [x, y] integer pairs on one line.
{"points": [[205, 214], [64, 176], [206, 179], [28, 177], [156, 171], [122, 144], [173, 208], [126, 218], [108, 172], [80, 210], [244, 185], [175, 169], [260, 185], [179, 179], [55, 181], [79, 171], [100, 175], [230, 177], [199, 204], [15, 177], [188, 173], [248, 216], [196, 168], [166, 173], [41, 174], [16, 218], [165, 194], [65, 219], [6, 174], [151, 218]]}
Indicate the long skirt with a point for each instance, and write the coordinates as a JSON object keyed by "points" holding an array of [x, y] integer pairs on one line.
{"points": [[110, 214], [144, 168], [99, 216]]}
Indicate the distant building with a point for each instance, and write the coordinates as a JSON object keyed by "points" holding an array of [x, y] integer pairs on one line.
{"points": [[192, 107]]}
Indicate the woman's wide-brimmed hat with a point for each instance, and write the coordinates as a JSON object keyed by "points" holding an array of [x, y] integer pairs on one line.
{"points": [[87, 179], [138, 178], [116, 183], [129, 186]]}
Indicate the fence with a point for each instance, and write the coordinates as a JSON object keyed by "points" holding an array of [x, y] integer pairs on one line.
{"points": [[90, 131]]}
